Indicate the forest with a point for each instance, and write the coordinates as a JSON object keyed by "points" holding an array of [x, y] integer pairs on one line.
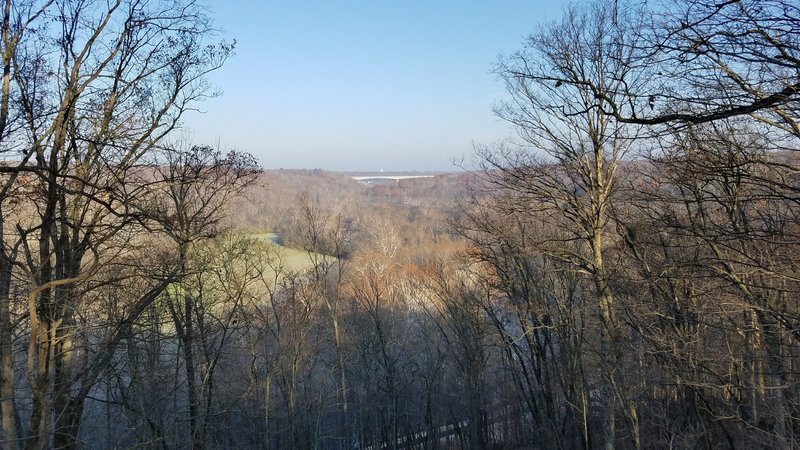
{"points": [[619, 273]]}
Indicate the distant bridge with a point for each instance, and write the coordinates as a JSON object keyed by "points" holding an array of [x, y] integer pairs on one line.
{"points": [[371, 178]]}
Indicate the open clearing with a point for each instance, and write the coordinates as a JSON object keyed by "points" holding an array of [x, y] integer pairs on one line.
{"points": [[293, 258]]}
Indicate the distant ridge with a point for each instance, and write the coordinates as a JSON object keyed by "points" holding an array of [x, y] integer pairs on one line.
{"points": [[396, 173]]}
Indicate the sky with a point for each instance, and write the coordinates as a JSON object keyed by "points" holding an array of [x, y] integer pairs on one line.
{"points": [[403, 85]]}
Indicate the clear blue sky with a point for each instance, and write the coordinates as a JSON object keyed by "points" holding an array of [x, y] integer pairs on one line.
{"points": [[362, 85]]}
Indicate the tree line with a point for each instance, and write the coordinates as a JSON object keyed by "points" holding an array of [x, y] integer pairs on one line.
{"points": [[642, 226]]}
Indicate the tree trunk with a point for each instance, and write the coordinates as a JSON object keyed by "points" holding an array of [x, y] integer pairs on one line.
{"points": [[7, 406]]}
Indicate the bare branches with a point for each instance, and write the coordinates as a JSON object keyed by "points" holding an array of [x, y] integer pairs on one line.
{"points": [[711, 61], [90, 91]]}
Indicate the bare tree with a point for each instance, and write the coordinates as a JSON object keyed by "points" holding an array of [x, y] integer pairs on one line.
{"points": [[324, 233], [198, 185], [456, 310], [543, 316], [88, 97], [564, 172], [724, 216]]}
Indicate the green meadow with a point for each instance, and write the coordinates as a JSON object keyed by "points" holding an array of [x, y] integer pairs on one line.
{"points": [[293, 259]]}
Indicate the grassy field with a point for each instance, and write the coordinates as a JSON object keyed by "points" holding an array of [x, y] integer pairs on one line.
{"points": [[278, 258], [293, 258]]}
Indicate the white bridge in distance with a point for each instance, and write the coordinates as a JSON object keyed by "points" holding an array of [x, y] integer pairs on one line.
{"points": [[367, 179]]}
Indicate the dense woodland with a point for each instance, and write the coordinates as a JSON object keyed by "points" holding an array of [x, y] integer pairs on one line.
{"points": [[622, 272]]}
